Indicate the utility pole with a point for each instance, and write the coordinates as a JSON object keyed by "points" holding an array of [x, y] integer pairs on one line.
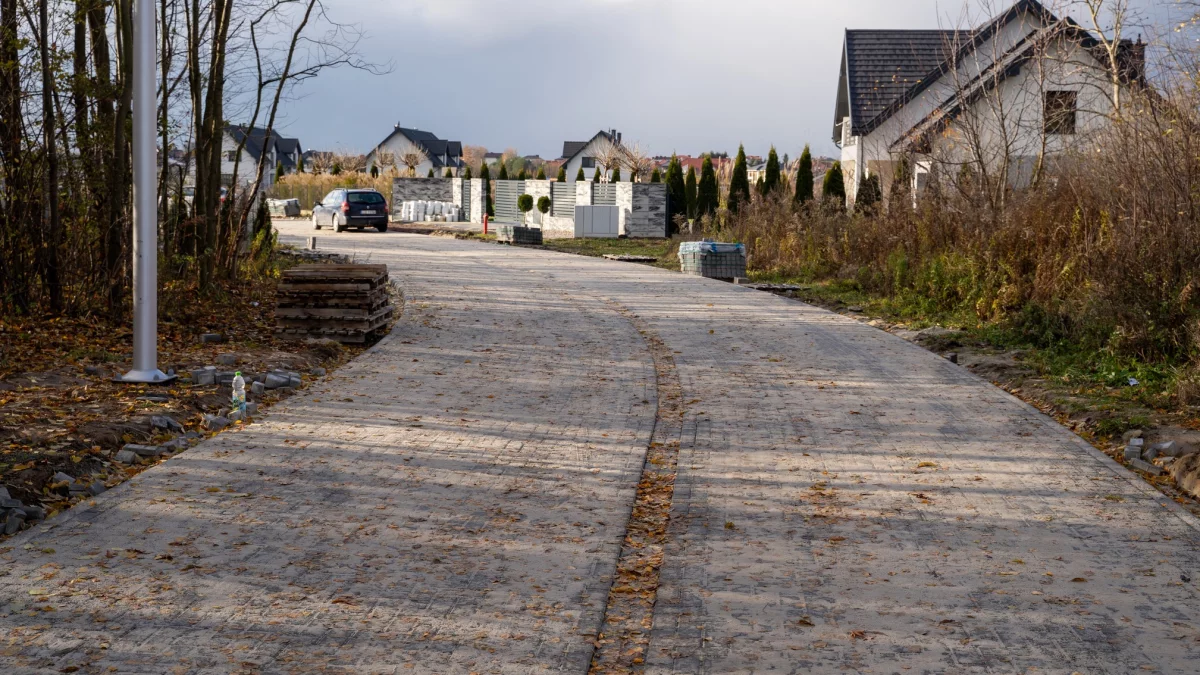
{"points": [[145, 210]]}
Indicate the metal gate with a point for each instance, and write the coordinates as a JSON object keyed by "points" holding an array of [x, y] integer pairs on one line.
{"points": [[466, 199], [505, 204], [563, 196], [605, 194]]}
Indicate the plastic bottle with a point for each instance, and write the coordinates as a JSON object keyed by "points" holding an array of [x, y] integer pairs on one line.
{"points": [[239, 392]]}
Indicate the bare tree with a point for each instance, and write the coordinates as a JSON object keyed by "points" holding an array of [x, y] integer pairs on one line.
{"points": [[638, 161], [473, 156], [411, 156], [609, 156], [385, 159]]}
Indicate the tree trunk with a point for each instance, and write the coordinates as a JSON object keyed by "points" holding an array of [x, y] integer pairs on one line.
{"points": [[51, 223]]}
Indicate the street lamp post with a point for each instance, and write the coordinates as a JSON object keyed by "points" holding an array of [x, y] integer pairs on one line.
{"points": [[145, 211]]}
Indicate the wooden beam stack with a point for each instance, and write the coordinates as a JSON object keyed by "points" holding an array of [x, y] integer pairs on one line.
{"points": [[347, 303]]}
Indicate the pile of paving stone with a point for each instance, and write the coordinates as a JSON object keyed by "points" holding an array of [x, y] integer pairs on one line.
{"points": [[1180, 460], [1142, 457], [346, 303], [14, 514]]}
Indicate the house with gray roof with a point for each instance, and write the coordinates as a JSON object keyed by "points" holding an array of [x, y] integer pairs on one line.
{"points": [[256, 147], [582, 154], [999, 98], [439, 154]]}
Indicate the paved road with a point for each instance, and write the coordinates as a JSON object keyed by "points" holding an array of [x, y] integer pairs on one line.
{"points": [[846, 502]]}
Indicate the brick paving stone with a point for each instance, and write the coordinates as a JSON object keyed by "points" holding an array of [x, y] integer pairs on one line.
{"points": [[453, 501], [849, 502], [846, 502]]}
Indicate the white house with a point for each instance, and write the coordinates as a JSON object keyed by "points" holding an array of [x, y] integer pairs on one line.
{"points": [[257, 148], [439, 154], [582, 154], [1002, 98]]}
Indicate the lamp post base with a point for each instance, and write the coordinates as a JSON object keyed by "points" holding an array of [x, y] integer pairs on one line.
{"points": [[147, 377]]}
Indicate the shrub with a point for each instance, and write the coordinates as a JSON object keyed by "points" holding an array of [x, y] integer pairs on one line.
{"points": [[430, 174], [616, 175], [449, 174], [655, 176], [544, 204], [834, 187], [562, 174], [689, 193], [771, 181], [525, 203], [739, 184], [503, 173], [707, 195], [579, 177], [676, 189], [541, 174], [804, 178], [521, 175]]}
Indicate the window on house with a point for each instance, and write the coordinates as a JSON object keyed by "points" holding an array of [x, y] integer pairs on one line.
{"points": [[589, 162], [1059, 114], [230, 155]]}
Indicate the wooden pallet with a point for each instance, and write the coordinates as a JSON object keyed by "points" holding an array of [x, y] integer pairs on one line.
{"points": [[348, 303]]}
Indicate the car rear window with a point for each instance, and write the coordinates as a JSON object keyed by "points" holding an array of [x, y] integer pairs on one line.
{"points": [[364, 198]]}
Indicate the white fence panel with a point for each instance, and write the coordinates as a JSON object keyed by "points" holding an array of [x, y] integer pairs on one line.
{"points": [[597, 221]]}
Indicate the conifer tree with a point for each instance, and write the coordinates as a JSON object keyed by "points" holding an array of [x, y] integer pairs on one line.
{"points": [[522, 175], [449, 173], [616, 175], [541, 174], [834, 187], [804, 178], [486, 175], [655, 176], [869, 194], [562, 174], [467, 174], [708, 197], [760, 186], [278, 171], [579, 177], [300, 164], [739, 184], [503, 172], [675, 189], [689, 193], [771, 181], [430, 174], [595, 175], [901, 184]]}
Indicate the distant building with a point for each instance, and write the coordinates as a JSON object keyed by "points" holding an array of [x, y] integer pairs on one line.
{"points": [[256, 147], [582, 154], [439, 154]]}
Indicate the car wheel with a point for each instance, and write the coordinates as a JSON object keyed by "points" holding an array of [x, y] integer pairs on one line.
{"points": [[337, 227], [382, 227], [316, 223]]}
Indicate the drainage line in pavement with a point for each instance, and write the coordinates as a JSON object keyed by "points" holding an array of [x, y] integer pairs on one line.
{"points": [[624, 638]]}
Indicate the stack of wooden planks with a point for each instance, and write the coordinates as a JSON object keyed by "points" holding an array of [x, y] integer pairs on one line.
{"points": [[347, 303]]}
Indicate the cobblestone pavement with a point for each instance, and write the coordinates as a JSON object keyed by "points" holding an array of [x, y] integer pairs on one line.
{"points": [[846, 502]]}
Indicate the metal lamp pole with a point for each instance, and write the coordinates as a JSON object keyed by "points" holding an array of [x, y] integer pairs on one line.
{"points": [[145, 211]]}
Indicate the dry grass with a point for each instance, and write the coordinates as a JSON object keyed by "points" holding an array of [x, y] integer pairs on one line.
{"points": [[310, 188], [1104, 253]]}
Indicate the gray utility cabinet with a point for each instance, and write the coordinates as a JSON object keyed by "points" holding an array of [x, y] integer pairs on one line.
{"points": [[597, 221]]}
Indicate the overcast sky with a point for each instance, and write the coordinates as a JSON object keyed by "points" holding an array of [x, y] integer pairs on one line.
{"points": [[674, 75]]}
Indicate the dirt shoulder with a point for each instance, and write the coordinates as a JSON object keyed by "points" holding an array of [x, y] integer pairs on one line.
{"points": [[64, 420]]}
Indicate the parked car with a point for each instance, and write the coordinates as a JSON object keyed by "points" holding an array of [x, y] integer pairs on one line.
{"points": [[345, 208]]}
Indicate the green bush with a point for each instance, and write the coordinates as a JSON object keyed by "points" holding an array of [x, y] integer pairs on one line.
{"points": [[562, 174], [834, 187], [804, 178], [525, 203], [544, 204], [579, 177], [616, 175], [739, 183], [541, 174]]}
